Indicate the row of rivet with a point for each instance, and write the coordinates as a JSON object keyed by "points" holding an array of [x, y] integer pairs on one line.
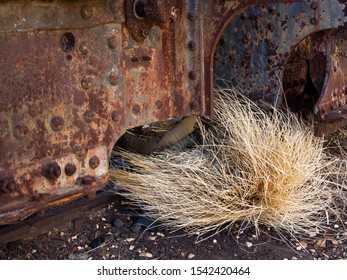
{"points": [[52, 171]]}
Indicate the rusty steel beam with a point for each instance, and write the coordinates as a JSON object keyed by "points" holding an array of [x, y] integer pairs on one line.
{"points": [[74, 75]]}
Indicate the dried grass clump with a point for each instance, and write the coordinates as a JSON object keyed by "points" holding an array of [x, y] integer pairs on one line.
{"points": [[254, 166]]}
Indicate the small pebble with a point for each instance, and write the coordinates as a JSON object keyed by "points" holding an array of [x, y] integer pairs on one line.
{"points": [[249, 244], [118, 223], [190, 256], [129, 239], [215, 241], [336, 226], [160, 234], [335, 242], [313, 234], [152, 237], [146, 255], [132, 247], [136, 228]]}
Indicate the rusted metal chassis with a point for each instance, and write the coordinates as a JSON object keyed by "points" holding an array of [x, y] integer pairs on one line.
{"points": [[74, 75]]}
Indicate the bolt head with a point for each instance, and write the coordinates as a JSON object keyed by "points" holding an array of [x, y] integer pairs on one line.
{"points": [[158, 104], [84, 48], [112, 42], [116, 115], [113, 79], [70, 169], [86, 12], [51, 171], [57, 123], [20, 131], [192, 45], [94, 162], [136, 109], [86, 83]]}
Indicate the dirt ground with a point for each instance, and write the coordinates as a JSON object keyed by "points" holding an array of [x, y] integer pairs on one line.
{"points": [[114, 231], [108, 228]]}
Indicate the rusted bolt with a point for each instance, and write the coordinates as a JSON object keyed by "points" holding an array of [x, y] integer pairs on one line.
{"points": [[84, 49], [192, 45], [57, 123], [136, 109], [20, 131], [116, 115], [314, 5], [158, 104], [313, 21], [51, 171], [191, 15], [272, 9], [112, 42], [70, 169], [113, 79], [86, 12], [94, 162], [193, 105], [88, 116], [86, 83], [192, 75]]}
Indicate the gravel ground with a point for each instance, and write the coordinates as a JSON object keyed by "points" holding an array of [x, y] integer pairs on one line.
{"points": [[114, 231]]}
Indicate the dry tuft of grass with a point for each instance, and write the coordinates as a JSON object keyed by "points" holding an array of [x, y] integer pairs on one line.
{"points": [[255, 166]]}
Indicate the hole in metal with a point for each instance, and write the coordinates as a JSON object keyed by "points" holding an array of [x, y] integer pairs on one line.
{"points": [[67, 41], [139, 9]]}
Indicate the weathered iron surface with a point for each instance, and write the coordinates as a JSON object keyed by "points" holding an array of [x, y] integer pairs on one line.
{"points": [[74, 75]]}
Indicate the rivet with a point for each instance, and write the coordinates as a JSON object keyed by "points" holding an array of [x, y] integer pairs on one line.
{"points": [[86, 12], [88, 116], [20, 131], [136, 109], [57, 123], [158, 104], [113, 79], [84, 49], [313, 21], [192, 45], [70, 169], [112, 42], [191, 16], [193, 105], [116, 115], [51, 171], [86, 83], [192, 75], [314, 5], [94, 162]]}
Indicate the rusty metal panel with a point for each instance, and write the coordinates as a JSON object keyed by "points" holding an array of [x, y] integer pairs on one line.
{"points": [[74, 75], [72, 80]]}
